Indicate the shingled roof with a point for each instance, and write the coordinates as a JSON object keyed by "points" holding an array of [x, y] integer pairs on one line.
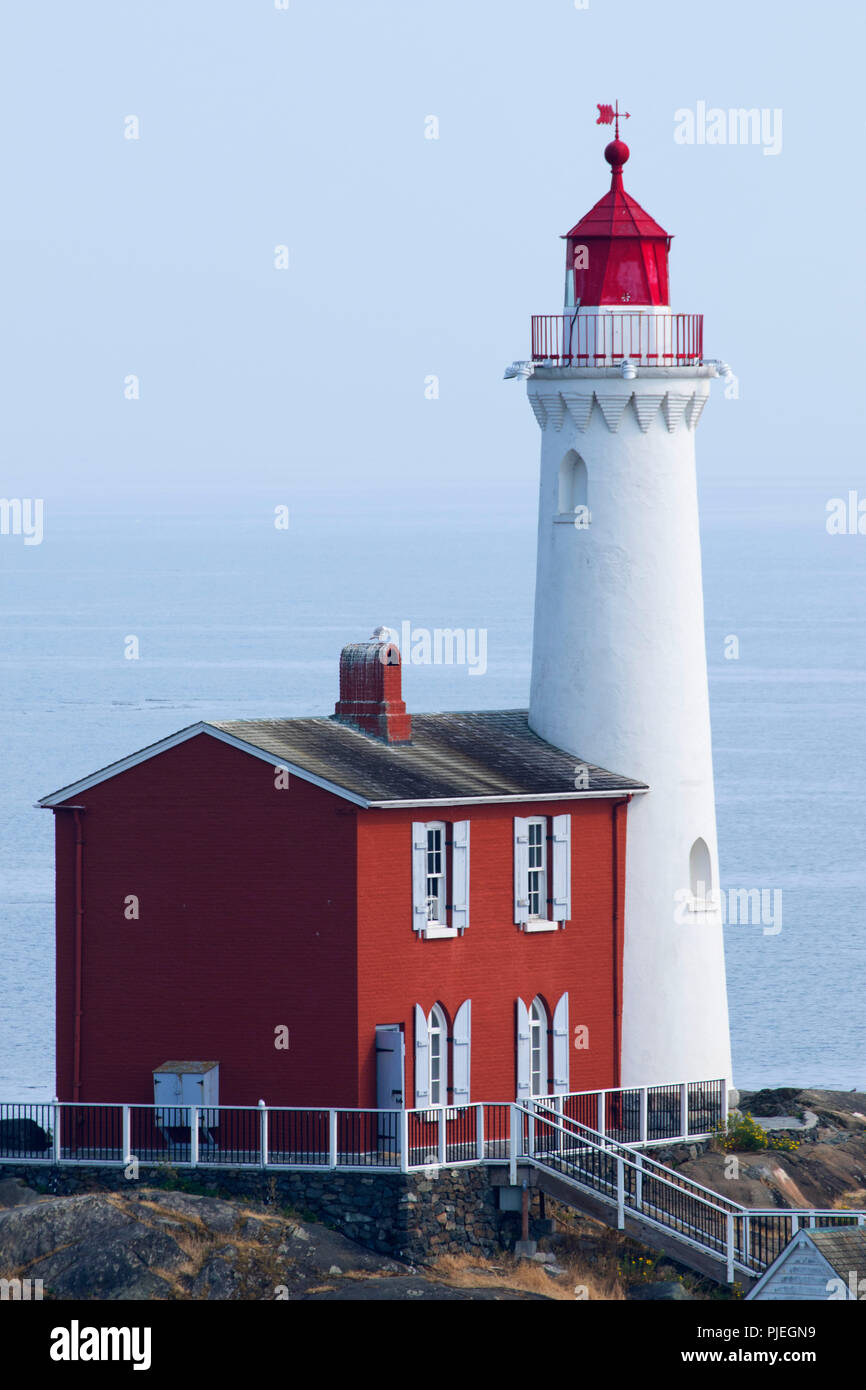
{"points": [[474, 756], [843, 1247], [452, 757]]}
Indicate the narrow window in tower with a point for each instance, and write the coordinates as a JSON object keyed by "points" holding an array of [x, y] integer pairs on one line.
{"points": [[569, 287], [537, 870], [573, 492], [701, 877]]}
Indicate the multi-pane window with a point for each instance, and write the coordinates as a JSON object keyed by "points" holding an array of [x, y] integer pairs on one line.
{"points": [[538, 1048], [440, 878], [436, 873], [437, 1038], [537, 869], [542, 872]]}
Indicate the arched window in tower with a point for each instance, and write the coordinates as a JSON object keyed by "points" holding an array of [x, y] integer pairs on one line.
{"points": [[700, 876], [573, 503], [538, 1029]]}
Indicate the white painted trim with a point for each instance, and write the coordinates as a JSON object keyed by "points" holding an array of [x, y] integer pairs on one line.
{"points": [[114, 769], [539, 926], [434, 932], [152, 750], [551, 372], [515, 800], [182, 736]]}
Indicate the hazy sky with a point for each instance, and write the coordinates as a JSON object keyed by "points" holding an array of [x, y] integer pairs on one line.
{"points": [[305, 127]]}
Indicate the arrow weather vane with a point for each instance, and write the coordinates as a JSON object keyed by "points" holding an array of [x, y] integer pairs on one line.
{"points": [[608, 114]]}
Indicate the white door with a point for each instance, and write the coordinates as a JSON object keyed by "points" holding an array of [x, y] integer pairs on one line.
{"points": [[390, 1068]]}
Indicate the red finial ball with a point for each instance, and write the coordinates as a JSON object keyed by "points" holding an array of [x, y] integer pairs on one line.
{"points": [[616, 153]]}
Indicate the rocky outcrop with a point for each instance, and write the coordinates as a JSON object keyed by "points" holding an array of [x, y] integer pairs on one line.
{"points": [[826, 1170], [167, 1245]]}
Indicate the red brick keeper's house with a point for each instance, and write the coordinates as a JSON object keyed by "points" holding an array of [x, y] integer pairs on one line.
{"points": [[368, 909]]}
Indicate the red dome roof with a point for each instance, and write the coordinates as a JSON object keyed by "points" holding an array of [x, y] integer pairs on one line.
{"points": [[627, 250]]}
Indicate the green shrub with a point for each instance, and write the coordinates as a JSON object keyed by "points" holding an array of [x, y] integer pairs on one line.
{"points": [[742, 1134], [745, 1135]]}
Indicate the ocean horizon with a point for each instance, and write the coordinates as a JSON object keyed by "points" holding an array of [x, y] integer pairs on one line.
{"points": [[237, 618]]}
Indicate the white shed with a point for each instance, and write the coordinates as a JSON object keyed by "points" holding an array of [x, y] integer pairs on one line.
{"points": [[177, 1085], [821, 1263]]}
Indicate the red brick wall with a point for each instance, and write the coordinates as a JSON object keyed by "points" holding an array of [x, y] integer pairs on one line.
{"points": [[494, 962], [249, 910], [247, 922]]}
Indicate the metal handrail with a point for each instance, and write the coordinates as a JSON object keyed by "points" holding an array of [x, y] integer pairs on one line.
{"points": [[647, 338], [705, 1243], [737, 1253], [603, 1141]]}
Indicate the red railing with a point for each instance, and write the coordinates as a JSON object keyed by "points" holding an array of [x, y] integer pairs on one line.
{"points": [[603, 340]]}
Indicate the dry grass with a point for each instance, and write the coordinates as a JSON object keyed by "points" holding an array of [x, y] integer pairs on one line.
{"points": [[856, 1199], [527, 1276]]}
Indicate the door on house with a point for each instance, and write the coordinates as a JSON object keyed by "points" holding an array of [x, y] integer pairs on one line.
{"points": [[390, 1067]]}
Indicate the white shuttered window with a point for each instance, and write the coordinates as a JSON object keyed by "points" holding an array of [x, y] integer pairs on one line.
{"points": [[440, 877], [542, 871]]}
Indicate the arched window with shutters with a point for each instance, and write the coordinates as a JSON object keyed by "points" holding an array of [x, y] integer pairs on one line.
{"points": [[442, 1056]]}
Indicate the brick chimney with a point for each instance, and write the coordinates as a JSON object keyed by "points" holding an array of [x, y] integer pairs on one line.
{"points": [[371, 697]]}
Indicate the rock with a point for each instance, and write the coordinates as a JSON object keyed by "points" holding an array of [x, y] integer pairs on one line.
{"points": [[216, 1279], [87, 1248], [657, 1293], [214, 1213], [14, 1193], [23, 1136], [767, 1103]]}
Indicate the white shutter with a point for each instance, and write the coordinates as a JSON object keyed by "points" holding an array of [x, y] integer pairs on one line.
{"points": [[462, 1048], [460, 875], [561, 869], [561, 1053], [524, 1080], [422, 1059], [521, 869], [419, 875]]}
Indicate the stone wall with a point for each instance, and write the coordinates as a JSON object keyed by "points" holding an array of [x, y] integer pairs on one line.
{"points": [[412, 1216]]}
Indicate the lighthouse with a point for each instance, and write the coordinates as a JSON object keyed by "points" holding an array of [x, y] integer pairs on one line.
{"points": [[618, 383]]}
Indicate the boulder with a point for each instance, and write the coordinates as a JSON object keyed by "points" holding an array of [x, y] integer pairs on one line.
{"points": [[23, 1136], [657, 1293], [87, 1248]]}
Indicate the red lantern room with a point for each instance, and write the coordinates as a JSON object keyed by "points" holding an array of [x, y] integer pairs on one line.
{"points": [[617, 254]]}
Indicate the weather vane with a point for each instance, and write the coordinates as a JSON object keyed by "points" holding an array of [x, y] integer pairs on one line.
{"points": [[609, 114]]}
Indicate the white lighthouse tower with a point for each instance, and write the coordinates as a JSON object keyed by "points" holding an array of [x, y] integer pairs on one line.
{"points": [[619, 673]]}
